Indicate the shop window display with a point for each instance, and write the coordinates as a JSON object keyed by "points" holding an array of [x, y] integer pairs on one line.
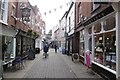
{"points": [[7, 48], [105, 43], [82, 42], [105, 49], [99, 48], [110, 50], [18, 46]]}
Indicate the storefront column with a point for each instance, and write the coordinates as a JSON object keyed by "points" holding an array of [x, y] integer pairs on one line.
{"points": [[14, 47], [116, 7], [118, 43], [86, 39], [93, 46], [86, 42]]}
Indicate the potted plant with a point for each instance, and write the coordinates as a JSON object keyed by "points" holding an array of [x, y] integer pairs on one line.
{"points": [[29, 31], [35, 35]]}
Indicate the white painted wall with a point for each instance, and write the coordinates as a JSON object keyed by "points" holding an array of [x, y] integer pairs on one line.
{"points": [[71, 14]]}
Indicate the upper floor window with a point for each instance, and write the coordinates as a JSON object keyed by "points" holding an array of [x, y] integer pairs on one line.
{"points": [[13, 10], [2, 9], [79, 12], [69, 23]]}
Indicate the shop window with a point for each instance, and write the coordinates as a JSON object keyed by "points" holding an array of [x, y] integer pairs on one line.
{"points": [[18, 46], [109, 23], [82, 42], [97, 28], [71, 45], [99, 48], [25, 47], [105, 49], [7, 48], [90, 30], [90, 43], [110, 50]]}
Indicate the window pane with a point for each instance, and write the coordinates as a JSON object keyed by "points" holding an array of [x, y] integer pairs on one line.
{"points": [[105, 49], [109, 23], [97, 28], [110, 50], [99, 48], [7, 48], [0, 4], [90, 43], [2, 14], [90, 30], [3, 4], [82, 42]]}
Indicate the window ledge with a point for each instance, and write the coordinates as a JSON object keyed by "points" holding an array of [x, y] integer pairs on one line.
{"points": [[3, 22], [114, 72]]}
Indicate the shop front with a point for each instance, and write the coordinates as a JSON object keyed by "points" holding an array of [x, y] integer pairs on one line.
{"points": [[101, 38], [8, 45], [81, 45], [24, 43]]}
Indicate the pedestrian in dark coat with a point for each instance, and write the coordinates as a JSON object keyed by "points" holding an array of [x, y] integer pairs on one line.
{"points": [[45, 49], [55, 48]]}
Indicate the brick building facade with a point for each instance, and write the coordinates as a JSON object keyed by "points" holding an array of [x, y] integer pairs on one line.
{"points": [[97, 35], [19, 35]]}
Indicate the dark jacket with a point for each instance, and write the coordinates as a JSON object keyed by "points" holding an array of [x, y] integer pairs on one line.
{"points": [[45, 49]]}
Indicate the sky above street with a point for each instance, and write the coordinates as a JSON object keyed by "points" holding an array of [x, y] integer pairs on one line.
{"points": [[54, 10]]}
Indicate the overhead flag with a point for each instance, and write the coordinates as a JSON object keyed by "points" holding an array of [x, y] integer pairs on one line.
{"points": [[61, 6], [55, 9], [45, 13], [67, 4], [50, 11]]}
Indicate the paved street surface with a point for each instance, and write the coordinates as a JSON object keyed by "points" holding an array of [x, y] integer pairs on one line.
{"points": [[56, 65]]}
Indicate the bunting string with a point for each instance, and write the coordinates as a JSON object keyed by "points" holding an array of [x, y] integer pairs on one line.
{"points": [[60, 7]]}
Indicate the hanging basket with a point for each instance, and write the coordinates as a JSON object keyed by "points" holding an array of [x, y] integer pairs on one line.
{"points": [[29, 32]]}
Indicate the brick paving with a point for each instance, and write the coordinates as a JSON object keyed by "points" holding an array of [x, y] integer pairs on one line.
{"points": [[52, 67], [55, 66]]}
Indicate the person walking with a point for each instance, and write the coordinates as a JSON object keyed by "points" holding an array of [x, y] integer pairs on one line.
{"points": [[55, 48], [45, 50]]}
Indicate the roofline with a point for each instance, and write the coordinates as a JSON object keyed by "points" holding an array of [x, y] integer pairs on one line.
{"points": [[69, 8], [64, 15]]}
